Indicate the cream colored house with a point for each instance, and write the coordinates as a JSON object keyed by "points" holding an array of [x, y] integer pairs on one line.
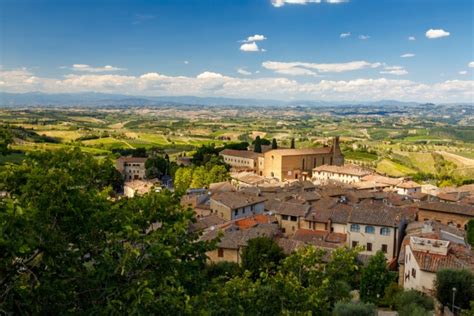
{"points": [[241, 159], [234, 205], [132, 168], [344, 174]]}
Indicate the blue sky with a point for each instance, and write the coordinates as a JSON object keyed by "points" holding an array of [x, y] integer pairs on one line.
{"points": [[285, 49]]}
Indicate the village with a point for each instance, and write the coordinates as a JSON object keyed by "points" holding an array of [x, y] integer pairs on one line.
{"points": [[309, 196]]}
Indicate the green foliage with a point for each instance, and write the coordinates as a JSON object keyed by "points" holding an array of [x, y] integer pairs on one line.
{"points": [[257, 145], [274, 144], [205, 153], [5, 140], [462, 280], [67, 248], [412, 302], [199, 176], [470, 232], [375, 277], [237, 146], [354, 309], [156, 167], [262, 254]]}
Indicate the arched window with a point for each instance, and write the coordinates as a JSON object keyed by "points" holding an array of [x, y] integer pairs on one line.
{"points": [[370, 229], [355, 228], [385, 231]]}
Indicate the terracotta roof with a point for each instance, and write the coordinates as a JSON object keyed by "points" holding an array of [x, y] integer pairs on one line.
{"points": [[289, 245], [206, 222], [292, 209], [299, 152], [337, 214], [447, 208], [235, 200], [133, 159], [382, 179], [346, 169], [458, 257], [320, 238], [240, 153], [409, 185], [221, 187], [378, 214]]}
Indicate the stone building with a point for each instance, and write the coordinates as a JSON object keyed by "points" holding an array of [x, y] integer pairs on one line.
{"points": [[244, 160], [447, 213], [132, 168], [345, 174], [234, 205]]}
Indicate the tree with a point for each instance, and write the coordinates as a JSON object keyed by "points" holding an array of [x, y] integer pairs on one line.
{"points": [[413, 302], [156, 167], [257, 145], [354, 309], [274, 144], [66, 247], [292, 146], [462, 280], [183, 178], [5, 140], [262, 254], [470, 232], [375, 277]]}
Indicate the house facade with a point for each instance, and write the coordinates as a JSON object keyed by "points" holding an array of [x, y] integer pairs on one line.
{"points": [[131, 168], [235, 205]]}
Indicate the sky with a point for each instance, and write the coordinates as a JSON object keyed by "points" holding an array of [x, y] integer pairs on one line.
{"points": [[332, 50]]}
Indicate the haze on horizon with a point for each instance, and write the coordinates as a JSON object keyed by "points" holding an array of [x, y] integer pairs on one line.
{"points": [[332, 50]]}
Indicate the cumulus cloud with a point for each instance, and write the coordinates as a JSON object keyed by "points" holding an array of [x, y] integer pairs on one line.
{"points": [[87, 68], [471, 64], [394, 70], [255, 38], [215, 84], [364, 37], [186, 62], [243, 72], [411, 38], [280, 3], [312, 69], [249, 47], [407, 55], [344, 35], [436, 33], [463, 72]]}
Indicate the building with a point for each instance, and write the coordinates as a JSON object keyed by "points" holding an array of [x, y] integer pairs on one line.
{"points": [[290, 216], [291, 164], [345, 174], [425, 256], [447, 213], [408, 188], [376, 226], [132, 168], [234, 205], [241, 159], [140, 187]]}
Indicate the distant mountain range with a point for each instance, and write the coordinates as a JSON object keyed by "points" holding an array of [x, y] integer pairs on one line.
{"points": [[103, 99]]}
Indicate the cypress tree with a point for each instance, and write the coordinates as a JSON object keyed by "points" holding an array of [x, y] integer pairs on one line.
{"points": [[258, 145], [274, 144], [292, 143]]}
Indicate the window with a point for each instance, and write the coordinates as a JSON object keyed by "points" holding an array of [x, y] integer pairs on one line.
{"points": [[355, 228], [413, 272], [369, 246], [220, 252], [385, 231], [384, 248], [294, 218], [236, 212], [284, 217], [370, 229], [354, 244]]}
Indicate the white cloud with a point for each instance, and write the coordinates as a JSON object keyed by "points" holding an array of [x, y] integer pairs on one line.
{"points": [[186, 62], [411, 38], [344, 35], [407, 55], [303, 68], [436, 33], [364, 37], [255, 38], [243, 72], [471, 64], [215, 84], [249, 47], [394, 70], [209, 75], [463, 72], [87, 68]]}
